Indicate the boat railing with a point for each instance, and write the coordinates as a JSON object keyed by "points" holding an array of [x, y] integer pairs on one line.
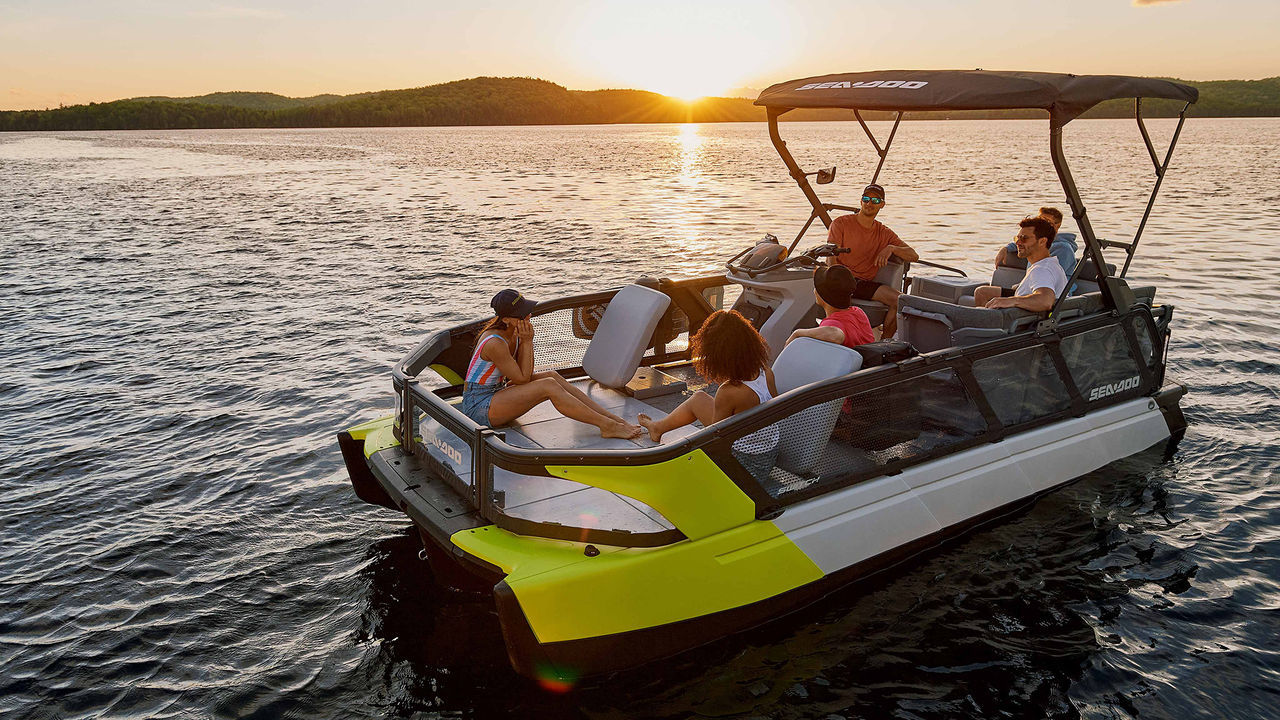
{"points": [[876, 422], [428, 386]]}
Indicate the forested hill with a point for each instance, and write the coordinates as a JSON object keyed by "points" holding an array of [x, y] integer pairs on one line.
{"points": [[252, 100], [526, 101]]}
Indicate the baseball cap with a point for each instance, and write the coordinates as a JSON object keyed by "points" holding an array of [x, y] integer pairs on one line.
{"points": [[834, 284], [509, 303], [874, 188]]}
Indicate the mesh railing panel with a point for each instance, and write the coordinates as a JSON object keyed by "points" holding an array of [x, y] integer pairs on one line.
{"points": [[833, 442], [1022, 385], [1101, 362], [442, 450], [1142, 332], [557, 342]]}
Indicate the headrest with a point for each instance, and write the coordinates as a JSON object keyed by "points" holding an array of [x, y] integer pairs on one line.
{"points": [[806, 360], [1090, 272]]}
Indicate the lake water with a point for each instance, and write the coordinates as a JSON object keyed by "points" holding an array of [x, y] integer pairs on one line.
{"points": [[189, 318]]}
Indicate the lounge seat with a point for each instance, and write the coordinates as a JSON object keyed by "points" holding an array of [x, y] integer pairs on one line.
{"points": [[947, 288], [623, 335], [932, 325], [804, 435]]}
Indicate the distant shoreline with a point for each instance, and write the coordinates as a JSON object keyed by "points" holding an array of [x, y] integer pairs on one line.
{"points": [[479, 102]]}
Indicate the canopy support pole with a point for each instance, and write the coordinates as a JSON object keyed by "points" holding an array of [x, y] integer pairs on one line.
{"points": [[1092, 249], [1161, 168], [1151, 150], [882, 152], [797, 173]]}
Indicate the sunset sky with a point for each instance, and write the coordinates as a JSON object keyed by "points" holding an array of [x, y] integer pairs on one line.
{"points": [[74, 51]]}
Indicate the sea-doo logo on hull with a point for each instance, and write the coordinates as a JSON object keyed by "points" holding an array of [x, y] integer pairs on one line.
{"points": [[846, 85], [1104, 390], [449, 451]]}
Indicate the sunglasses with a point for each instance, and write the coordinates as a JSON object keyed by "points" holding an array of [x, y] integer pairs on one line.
{"points": [[872, 200]]}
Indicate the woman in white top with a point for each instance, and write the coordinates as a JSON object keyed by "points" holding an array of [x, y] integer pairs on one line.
{"points": [[729, 351]]}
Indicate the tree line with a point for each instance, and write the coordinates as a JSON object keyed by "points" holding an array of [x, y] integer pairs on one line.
{"points": [[528, 101]]}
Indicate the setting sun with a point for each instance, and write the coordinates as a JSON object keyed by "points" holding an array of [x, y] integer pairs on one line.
{"points": [[680, 50]]}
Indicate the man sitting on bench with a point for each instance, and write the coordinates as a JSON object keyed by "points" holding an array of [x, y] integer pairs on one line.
{"points": [[1063, 246], [1044, 280]]}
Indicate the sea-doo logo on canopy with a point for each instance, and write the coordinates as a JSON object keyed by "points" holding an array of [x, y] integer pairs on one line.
{"points": [[901, 84], [1104, 390]]}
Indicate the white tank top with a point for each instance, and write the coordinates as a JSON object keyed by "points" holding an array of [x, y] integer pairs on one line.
{"points": [[766, 438]]}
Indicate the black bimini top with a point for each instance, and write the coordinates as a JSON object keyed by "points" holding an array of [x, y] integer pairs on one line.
{"points": [[1064, 96]]}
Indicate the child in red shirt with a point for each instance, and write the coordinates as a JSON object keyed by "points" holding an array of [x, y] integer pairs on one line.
{"points": [[833, 289]]}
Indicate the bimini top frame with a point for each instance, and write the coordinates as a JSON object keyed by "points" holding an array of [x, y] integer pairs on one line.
{"points": [[1063, 96]]}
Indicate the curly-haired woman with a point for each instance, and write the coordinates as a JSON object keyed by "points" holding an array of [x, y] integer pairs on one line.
{"points": [[729, 351]]}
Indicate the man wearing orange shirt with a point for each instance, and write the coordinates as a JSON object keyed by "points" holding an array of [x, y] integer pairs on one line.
{"points": [[870, 244]]}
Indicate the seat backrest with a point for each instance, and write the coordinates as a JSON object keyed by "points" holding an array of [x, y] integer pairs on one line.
{"points": [[623, 335], [804, 435], [892, 272], [933, 325], [1009, 272], [1087, 280]]}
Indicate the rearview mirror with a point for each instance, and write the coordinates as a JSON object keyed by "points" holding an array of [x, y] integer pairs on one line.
{"points": [[826, 175]]}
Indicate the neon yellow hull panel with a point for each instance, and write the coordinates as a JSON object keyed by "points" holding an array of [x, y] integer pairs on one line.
{"points": [[566, 595]]}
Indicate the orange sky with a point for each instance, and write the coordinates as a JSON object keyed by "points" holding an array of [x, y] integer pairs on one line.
{"points": [[67, 52]]}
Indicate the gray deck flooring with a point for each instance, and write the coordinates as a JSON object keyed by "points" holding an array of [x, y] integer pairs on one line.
{"points": [[548, 499]]}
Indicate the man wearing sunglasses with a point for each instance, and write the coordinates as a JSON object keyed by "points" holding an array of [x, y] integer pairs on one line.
{"points": [[1063, 246], [870, 245], [1044, 280]]}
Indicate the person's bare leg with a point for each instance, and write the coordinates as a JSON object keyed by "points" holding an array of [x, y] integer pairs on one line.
{"points": [[889, 297], [700, 407], [576, 392], [513, 401]]}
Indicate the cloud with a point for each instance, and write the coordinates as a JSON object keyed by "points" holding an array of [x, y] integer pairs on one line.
{"points": [[229, 12], [1144, 3]]}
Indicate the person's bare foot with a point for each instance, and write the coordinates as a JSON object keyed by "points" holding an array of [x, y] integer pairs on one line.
{"points": [[623, 430], [651, 425]]}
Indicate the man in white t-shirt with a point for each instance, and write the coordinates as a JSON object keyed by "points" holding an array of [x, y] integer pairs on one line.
{"points": [[1044, 280]]}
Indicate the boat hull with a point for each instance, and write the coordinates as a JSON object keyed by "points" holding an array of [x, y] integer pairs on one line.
{"points": [[845, 536]]}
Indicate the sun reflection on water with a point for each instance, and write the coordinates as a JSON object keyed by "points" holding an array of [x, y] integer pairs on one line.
{"points": [[684, 206], [691, 152]]}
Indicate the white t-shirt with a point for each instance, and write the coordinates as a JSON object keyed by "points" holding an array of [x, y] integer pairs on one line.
{"points": [[1043, 273]]}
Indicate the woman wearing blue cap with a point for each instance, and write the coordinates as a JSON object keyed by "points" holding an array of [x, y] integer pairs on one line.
{"points": [[501, 385]]}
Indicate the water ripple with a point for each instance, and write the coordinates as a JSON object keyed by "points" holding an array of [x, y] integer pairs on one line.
{"points": [[192, 315]]}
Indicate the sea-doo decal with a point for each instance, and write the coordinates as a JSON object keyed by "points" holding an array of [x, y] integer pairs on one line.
{"points": [[1111, 389], [449, 451], [846, 85]]}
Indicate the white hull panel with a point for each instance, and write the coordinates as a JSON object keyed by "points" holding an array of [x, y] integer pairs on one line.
{"points": [[851, 525]]}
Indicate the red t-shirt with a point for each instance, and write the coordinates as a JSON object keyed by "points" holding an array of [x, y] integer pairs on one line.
{"points": [[863, 244], [853, 323]]}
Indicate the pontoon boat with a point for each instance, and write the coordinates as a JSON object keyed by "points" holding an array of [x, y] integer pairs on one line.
{"points": [[602, 554]]}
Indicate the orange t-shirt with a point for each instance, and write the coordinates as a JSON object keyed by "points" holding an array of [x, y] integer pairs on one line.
{"points": [[863, 244]]}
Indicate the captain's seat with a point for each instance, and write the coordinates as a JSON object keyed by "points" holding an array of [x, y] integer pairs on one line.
{"points": [[891, 274]]}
